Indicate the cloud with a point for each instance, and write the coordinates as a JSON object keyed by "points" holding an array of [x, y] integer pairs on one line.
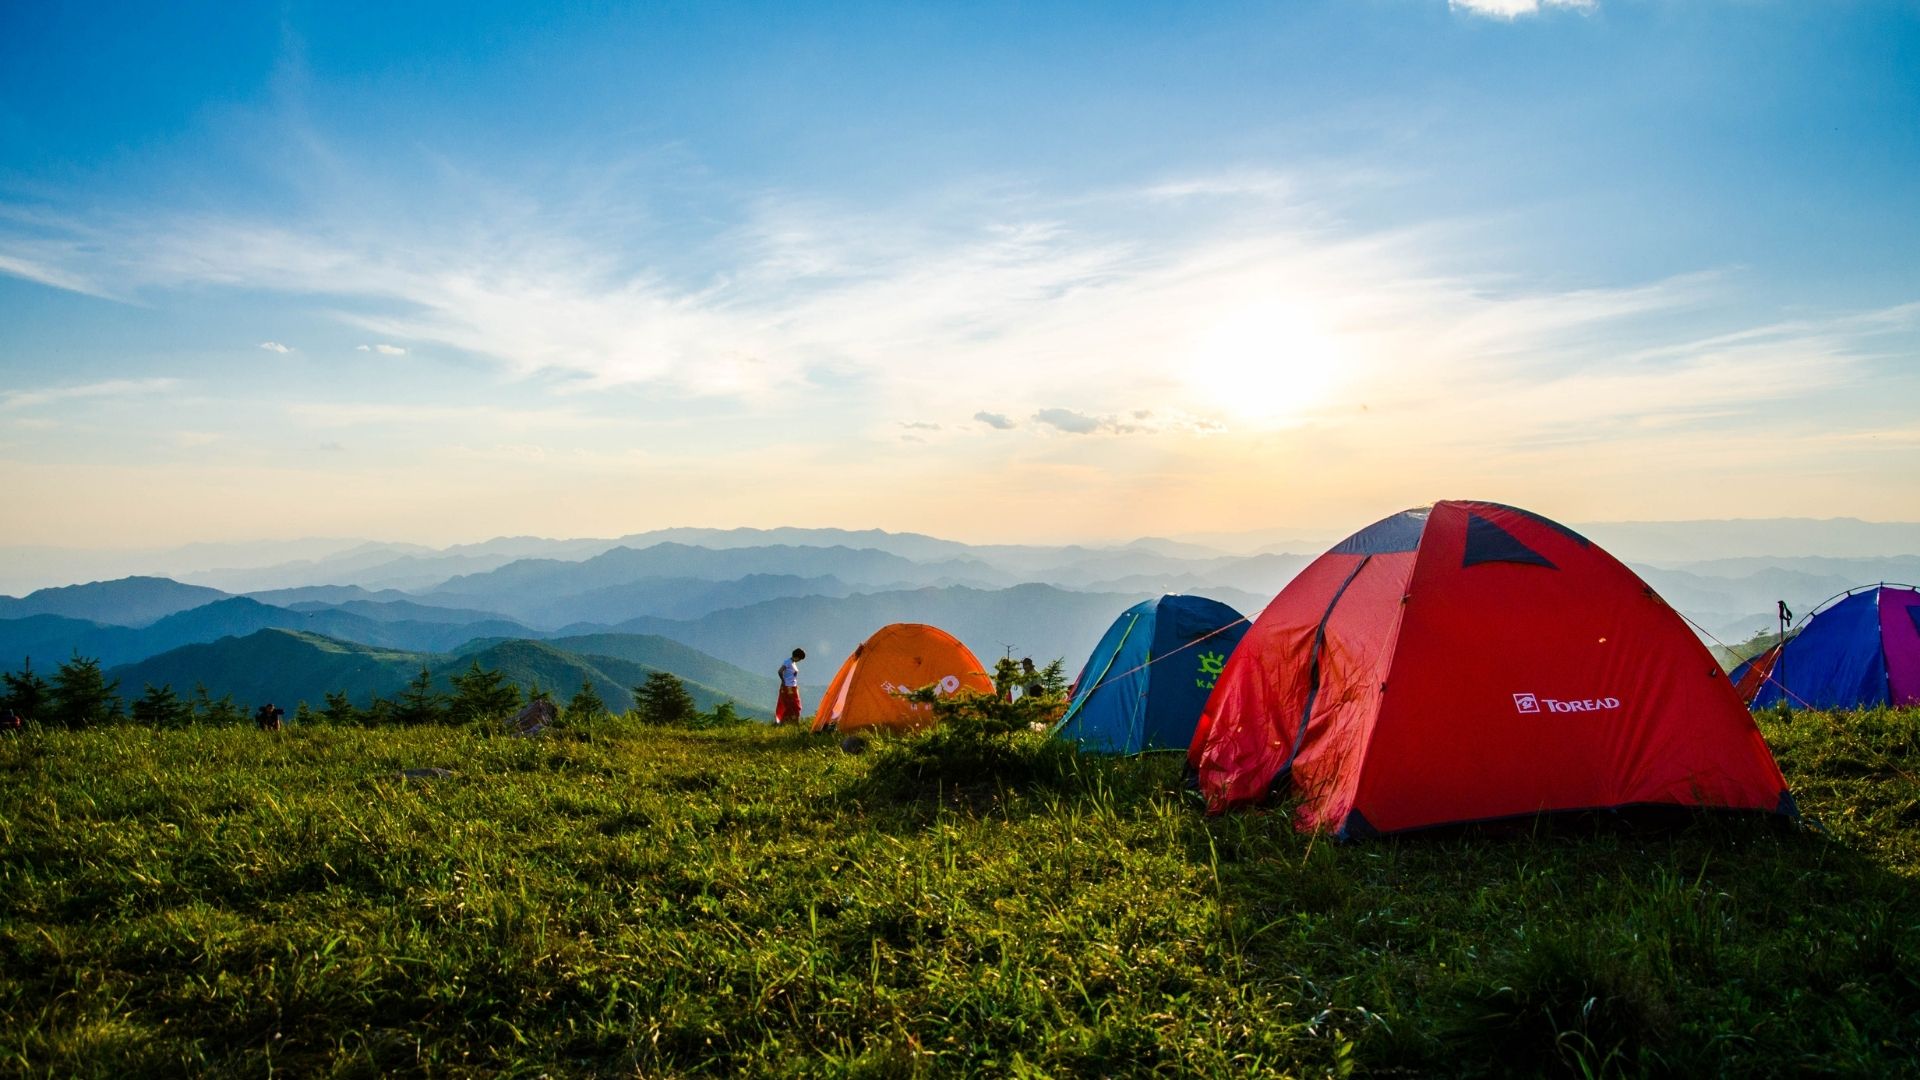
{"points": [[1234, 302], [1513, 9], [110, 388], [920, 425], [382, 349], [275, 347], [1069, 421]]}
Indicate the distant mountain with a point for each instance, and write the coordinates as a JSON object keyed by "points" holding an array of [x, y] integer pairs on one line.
{"points": [[1040, 621], [286, 667], [233, 616], [324, 594], [132, 601], [1668, 542], [281, 666], [1858, 571], [665, 654], [394, 611], [44, 642], [528, 582], [673, 598]]}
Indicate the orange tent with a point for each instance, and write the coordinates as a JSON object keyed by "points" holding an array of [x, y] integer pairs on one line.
{"points": [[897, 658]]}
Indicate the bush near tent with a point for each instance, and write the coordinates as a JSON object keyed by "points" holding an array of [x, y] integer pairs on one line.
{"points": [[1472, 661], [1855, 651], [868, 692], [1144, 685]]}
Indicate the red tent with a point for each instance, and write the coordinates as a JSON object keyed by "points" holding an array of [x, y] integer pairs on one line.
{"points": [[1467, 662]]}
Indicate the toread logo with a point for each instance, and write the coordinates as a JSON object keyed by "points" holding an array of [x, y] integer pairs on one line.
{"points": [[1529, 704]]}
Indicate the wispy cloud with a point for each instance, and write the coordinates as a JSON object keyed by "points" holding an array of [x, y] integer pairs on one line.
{"points": [[110, 388], [1513, 9], [1222, 310], [275, 347]]}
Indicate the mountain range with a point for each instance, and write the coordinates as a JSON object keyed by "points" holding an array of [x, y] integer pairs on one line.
{"points": [[289, 666], [743, 598]]}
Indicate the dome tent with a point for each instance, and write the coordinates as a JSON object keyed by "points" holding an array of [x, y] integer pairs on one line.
{"points": [[1468, 662], [1144, 685], [901, 657], [1857, 650]]}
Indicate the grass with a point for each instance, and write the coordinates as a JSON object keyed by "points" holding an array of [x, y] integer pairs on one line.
{"points": [[623, 900]]}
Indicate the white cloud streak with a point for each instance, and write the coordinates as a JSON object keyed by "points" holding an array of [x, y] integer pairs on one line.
{"points": [[275, 347], [1513, 9], [110, 388], [1246, 309]]}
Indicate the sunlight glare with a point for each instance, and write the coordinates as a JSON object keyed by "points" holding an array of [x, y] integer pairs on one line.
{"points": [[1268, 361]]}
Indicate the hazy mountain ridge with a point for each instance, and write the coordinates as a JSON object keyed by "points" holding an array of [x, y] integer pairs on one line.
{"points": [[288, 666], [743, 597], [131, 601]]}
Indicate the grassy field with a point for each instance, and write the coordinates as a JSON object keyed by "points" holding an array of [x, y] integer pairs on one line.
{"points": [[620, 900]]}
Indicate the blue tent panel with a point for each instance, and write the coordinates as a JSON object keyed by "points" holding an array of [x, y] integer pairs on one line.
{"points": [[1148, 680], [1836, 661]]}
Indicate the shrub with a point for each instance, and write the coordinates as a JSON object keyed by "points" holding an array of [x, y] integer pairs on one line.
{"points": [[978, 741]]}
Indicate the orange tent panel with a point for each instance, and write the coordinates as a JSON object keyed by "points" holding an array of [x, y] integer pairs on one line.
{"points": [[865, 692]]}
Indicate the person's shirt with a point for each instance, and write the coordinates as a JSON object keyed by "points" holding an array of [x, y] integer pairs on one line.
{"points": [[789, 674]]}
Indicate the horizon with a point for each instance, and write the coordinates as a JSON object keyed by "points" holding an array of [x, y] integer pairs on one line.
{"points": [[1002, 274], [1674, 543]]}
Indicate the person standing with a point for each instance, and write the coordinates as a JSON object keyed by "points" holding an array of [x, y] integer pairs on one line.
{"points": [[787, 708]]}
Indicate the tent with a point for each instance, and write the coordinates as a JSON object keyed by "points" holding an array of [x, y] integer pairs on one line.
{"points": [[1750, 676], [1144, 685], [1468, 662], [902, 657], [1857, 650]]}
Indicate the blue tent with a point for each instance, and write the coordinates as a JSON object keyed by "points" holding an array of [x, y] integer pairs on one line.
{"points": [[1858, 651], [1147, 680]]}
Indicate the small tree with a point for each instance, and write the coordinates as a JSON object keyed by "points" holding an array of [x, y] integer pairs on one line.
{"points": [[206, 710], [1053, 677], [420, 703], [303, 713], [26, 692], [81, 696], [161, 707], [339, 708], [663, 701], [379, 711], [482, 693], [586, 705], [724, 715]]}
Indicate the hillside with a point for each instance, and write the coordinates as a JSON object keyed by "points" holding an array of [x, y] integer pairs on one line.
{"points": [[623, 901], [288, 666], [665, 654]]}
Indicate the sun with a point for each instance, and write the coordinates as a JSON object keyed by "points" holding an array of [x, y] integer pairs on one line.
{"points": [[1266, 361]]}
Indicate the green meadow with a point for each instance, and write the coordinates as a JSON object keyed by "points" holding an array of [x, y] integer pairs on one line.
{"points": [[616, 899]]}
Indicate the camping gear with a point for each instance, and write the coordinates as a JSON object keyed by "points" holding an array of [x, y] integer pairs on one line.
{"points": [[896, 660], [1855, 651], [1468, 662], [1146, 682]]}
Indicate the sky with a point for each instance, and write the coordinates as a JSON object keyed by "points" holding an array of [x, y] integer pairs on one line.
{"points": [[997, 272]]}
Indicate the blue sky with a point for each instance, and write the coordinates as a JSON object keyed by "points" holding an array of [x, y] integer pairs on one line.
{"points": [[997, 272]]}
